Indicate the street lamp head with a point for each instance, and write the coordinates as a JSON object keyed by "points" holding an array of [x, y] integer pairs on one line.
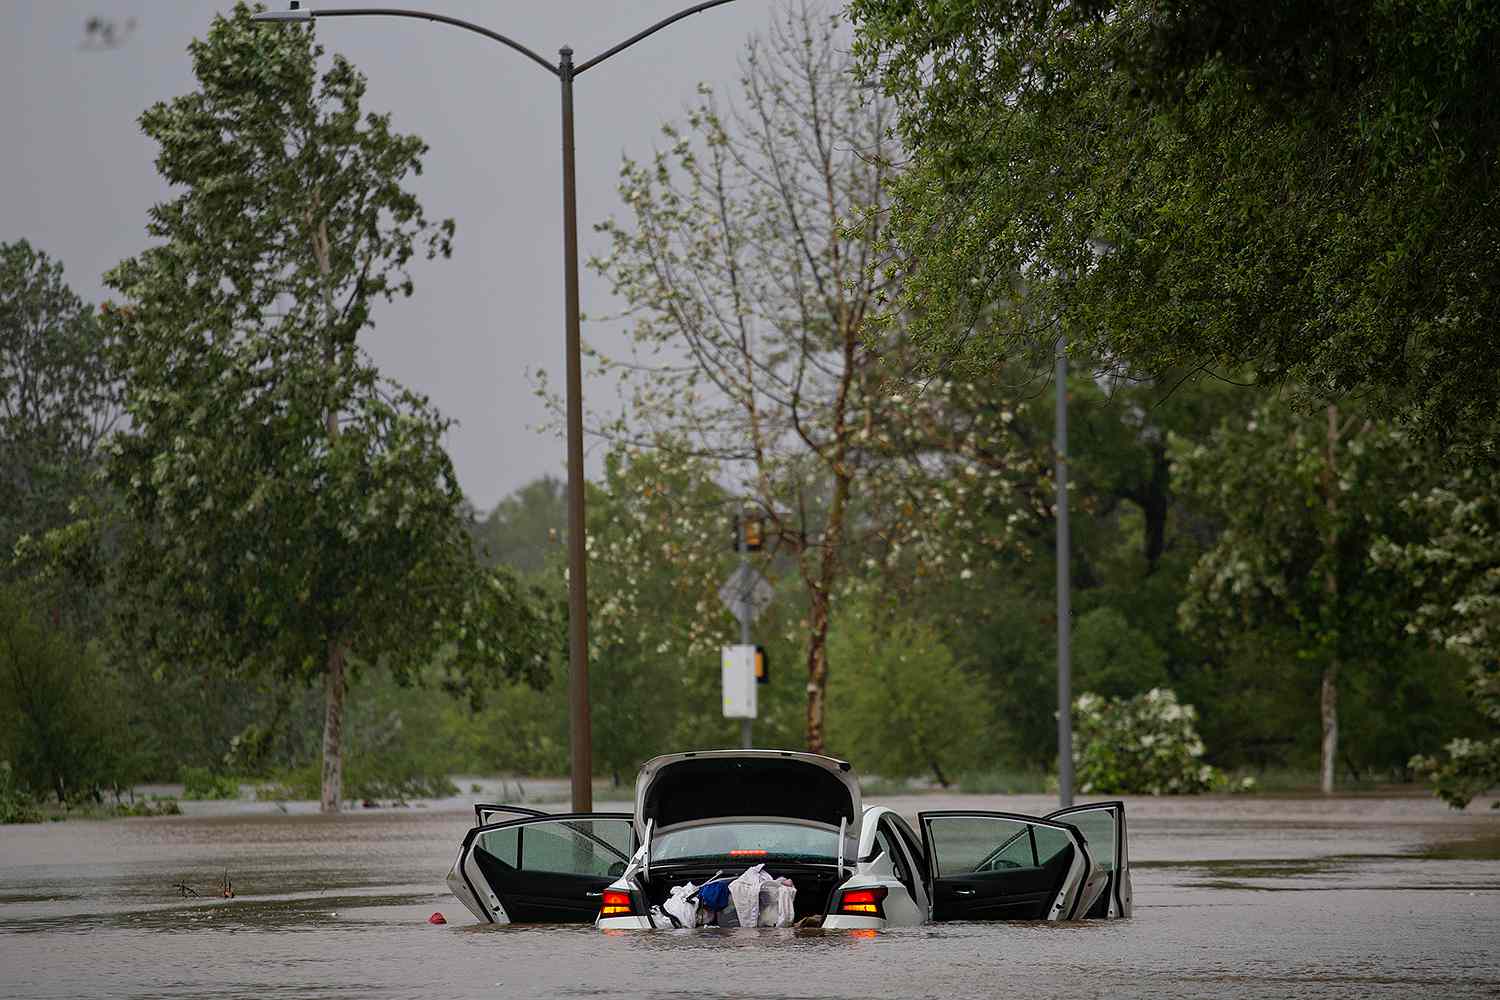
{"points": [[296, 15]]}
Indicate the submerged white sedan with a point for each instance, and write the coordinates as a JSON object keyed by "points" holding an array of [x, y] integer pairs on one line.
{"points": [[707, 815]]}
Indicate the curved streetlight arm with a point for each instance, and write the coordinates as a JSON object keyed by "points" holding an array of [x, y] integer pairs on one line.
{"points": [[627, 43], [427, 15]]}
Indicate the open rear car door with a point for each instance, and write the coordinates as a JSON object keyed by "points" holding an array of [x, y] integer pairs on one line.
{"points": [[542, 869], [1004, 866], [1103, 826]]}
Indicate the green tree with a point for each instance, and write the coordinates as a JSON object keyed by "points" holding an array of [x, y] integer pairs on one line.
{"points": [[1302, 503], [1114, 659], [61, 722], [1302, 189], [57, 399], [284, 506], [901, 706], [526, 526]]}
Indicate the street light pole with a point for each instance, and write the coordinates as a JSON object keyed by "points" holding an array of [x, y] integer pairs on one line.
{"points": [[580, 731], [1064, 589], [579, 728]]}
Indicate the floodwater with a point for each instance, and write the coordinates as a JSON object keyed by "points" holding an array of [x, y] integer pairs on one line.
{"points": [[1241, 897]]}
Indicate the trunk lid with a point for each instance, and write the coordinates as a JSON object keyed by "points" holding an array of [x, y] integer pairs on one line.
{"points": [[708, 784]]}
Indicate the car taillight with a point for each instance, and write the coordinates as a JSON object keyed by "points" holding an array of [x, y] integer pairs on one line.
{"points": [[748, 853], [616, 904], [863, 902]]}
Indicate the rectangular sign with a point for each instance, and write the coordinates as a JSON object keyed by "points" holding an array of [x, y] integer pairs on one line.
{"points": [[737, 667]]}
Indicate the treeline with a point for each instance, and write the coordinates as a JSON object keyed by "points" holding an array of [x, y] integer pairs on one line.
{"points": [[947, 672], [218, 515], [220, 519]]}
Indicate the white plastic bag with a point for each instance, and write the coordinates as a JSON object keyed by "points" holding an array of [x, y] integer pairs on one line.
{"points": [[745, 891], [777, 903], [681, 907]]}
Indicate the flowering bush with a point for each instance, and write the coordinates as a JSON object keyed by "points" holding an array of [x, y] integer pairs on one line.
{"points": [[1147, 743], [1471, 767]]}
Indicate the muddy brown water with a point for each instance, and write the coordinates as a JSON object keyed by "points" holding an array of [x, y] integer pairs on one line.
{"points": [[1241, 897]]}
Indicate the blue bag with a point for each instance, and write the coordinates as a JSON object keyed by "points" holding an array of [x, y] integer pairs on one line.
{"points": [[714, 896]]}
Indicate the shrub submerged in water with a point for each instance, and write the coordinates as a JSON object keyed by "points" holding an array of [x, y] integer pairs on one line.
{"points": [[1145, 744]]}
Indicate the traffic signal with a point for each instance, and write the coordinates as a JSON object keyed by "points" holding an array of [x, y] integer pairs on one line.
{"points": [[762, 666], [749, 532]]}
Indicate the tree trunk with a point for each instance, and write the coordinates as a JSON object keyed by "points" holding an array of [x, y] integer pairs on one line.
{"points": [[1329, 704], [820, 591], [333, 701], [1156, 504], [1330, 708], [333, 729], [817, 670]]}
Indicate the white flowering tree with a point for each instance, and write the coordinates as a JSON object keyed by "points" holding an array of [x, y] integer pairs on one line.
{"points": [[1452, 565], [751, 265]]}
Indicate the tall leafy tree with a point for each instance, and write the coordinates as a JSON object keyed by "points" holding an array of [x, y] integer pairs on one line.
{"points": [[1302, 189], [1302, 503], [287, 508], [57, 398]]}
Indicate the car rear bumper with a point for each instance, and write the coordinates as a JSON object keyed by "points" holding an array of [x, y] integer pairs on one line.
{"points": [[629, 924], [845, 922]]}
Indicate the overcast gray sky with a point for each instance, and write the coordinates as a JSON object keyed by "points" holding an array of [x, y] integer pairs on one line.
{"points": [[76, 175]]}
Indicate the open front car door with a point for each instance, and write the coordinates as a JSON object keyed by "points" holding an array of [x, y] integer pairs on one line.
{"points": [[542, 869], [1005, 866], [1103, 826]]}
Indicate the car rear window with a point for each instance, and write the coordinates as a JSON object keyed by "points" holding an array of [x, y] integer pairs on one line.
{"points": [[750, 843]]}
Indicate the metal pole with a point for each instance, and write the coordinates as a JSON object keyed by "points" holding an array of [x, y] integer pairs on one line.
{"points": [[580, 735], [1064, 591], [745, 640]]}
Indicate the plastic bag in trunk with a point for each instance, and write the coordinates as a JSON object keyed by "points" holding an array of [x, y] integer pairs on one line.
{"points": [[777, 903], [761, 899], [682, 905]]}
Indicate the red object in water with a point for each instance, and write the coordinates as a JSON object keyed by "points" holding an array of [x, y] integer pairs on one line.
{"points": [[437, 918]]}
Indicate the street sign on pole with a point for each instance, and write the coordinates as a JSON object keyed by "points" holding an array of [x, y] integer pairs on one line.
{"points": [[738, 672], [746, 593]]}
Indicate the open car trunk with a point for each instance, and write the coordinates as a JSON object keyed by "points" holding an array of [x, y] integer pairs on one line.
{"points": [[814, 883], [682, 788]]}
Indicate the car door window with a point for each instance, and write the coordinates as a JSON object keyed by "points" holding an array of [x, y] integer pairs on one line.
{"points": [[962, 845], [572, 848], [912, 841], [1049, 843], [579, 847], [887, 841], [503, 845], [1098, 826], [1019, 851]]}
